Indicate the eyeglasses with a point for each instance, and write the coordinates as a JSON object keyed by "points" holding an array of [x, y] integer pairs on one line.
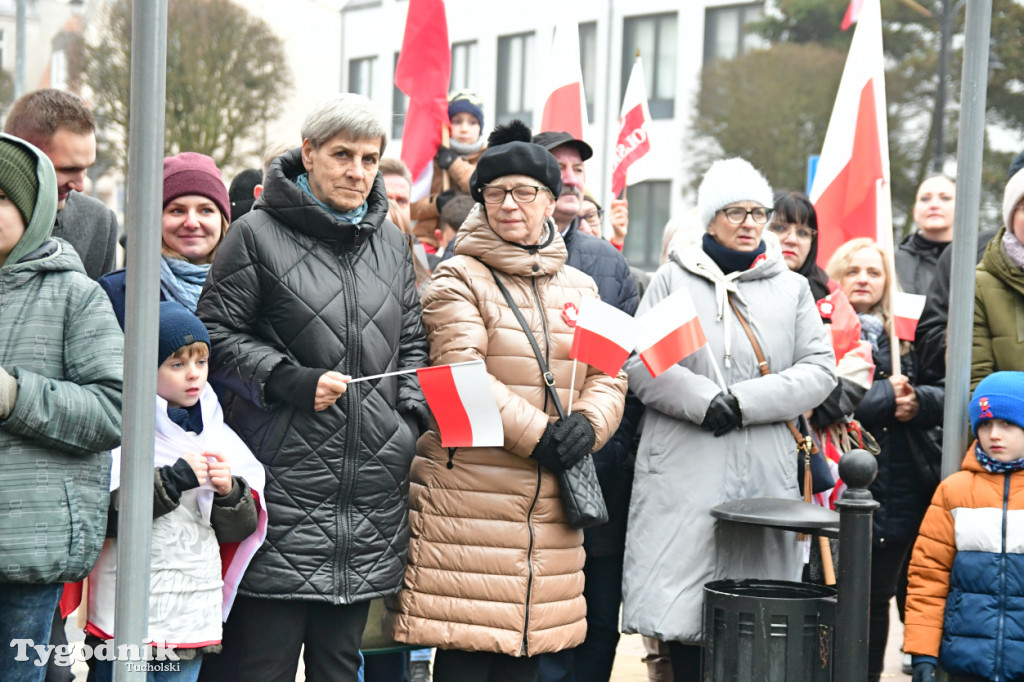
{"points": [[803, 233], [737, 215], [591, 216], [521, 194]]}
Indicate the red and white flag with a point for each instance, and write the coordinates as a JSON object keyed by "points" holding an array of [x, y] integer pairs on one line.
{"points": [[423, 73], [565, 107], [852, 14], [669, 332], [629, 164], [906, 311], [461, 399], [604, 336], [851, 189]]}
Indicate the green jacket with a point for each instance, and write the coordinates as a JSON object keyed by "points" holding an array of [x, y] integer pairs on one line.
{"points": [[60, 340], [998, 314]]}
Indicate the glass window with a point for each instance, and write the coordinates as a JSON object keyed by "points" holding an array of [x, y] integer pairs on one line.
{"points": [[655, 36], [515, 78], [399, 107], [588, 63], [725, 30], [360, 76], [464, 66], [649, 204]]}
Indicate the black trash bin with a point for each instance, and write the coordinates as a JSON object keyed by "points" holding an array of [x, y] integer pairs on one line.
{"points": [[768, 631]]}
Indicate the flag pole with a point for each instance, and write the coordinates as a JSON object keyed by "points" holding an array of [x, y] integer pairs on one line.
{"points": [[884, 198], [408, 371], [572, 386], [445, 178]]}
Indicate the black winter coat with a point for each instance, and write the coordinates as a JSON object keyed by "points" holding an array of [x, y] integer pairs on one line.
{"points": [[605, 264], [292, 294], [916, 261], [909, 465]]}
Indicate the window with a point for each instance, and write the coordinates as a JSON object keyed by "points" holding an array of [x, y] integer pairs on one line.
{"points": [[655, 36], [360, 76], [515, 78], [59, 70], [588, 63], [649, 204], [3, 47], [725, 30], [464, 66], [399, 107]]}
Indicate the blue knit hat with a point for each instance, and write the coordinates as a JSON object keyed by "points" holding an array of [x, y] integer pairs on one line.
{"points": [[178, 327], [999, 396]]}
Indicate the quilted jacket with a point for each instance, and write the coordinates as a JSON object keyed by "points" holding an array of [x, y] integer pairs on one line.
{"points": [[605, 264], [493, 564], [60, 341], [294, 292], [965, 599], [998, 313]]}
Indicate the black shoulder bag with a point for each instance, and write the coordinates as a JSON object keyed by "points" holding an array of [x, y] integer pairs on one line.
{"points": [[582, 498]]}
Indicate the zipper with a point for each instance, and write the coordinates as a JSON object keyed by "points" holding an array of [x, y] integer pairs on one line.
{"points": [[1002, 584], [525, 649], [353, 352], [451, 455]]}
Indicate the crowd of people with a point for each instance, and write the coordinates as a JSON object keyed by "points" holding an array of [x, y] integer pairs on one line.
{"points": [[299, 513]]}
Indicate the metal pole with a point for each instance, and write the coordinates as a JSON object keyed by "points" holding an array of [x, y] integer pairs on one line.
{"points": [[939, 155], [19, 49], [965, 232], [145, 191], [857, 468]]}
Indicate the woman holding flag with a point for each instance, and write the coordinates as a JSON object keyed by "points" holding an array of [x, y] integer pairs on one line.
{"points": [[494, 573], [904, 413], [715, 426]]}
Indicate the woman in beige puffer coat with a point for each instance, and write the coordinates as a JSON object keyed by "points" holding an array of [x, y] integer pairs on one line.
{"points": [[494, 571]]}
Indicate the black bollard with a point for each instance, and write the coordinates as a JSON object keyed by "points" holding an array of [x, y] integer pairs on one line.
{"points": [[857, 468]]}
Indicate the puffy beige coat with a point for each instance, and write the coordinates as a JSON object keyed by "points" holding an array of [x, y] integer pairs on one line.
{"points": [[493, 564]]}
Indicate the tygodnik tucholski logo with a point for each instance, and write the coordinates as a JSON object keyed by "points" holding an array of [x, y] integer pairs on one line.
{"points": [[152, 658]]}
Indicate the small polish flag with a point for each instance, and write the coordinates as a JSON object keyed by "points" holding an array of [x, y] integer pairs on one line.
{"points": [[852, 14], [906, 311], [460, 397], [669, 332], [604, 336]]}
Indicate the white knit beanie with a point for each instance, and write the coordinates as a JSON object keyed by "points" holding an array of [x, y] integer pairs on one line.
{"points": [[1013, 193], [729, 181]]}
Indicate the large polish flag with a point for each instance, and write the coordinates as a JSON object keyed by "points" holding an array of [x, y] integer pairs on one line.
{"points": [[906, 311], [630, 162], [565, 107], [669, 332], [423, 73], [604, 336], [463, 404], [851, 187]]}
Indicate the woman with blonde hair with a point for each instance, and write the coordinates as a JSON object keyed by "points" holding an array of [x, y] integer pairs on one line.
{"points": [[904, 413]]}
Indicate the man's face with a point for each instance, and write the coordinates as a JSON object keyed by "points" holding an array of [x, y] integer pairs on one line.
{"points": [[72, 154], [342, 170], [399, 192], [573, 179]]}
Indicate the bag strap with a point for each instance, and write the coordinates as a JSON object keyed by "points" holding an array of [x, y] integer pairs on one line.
{"points": [[804, 443], [546, 375]]}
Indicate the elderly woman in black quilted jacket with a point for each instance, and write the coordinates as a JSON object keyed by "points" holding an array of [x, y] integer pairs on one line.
{"points": [[312, 288]]}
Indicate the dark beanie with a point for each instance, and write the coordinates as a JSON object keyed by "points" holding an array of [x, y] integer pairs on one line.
{"points": [[191, 173], [466, 101], [178, 328], [18, 178], [510, 152], [241, 192]]}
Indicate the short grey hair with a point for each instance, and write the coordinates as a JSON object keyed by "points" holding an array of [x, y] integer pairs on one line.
{"points": [[347, 114]]}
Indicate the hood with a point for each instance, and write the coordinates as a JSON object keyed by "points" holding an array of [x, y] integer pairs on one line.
{"points": [[919, 246], [283, 199], [999, 265], [476, 238], [41, 226]]}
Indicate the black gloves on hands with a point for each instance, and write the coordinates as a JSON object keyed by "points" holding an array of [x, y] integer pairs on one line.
{"points": [[564, 443], [443, 198], [723, 414], [445, 157], [924, 671]]}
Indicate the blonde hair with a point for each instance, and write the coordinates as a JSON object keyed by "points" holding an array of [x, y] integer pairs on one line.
{"points": [[839, 263]]}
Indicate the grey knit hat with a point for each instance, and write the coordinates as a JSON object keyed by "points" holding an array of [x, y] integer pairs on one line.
{"points": [[18, 177], [729, 181]]}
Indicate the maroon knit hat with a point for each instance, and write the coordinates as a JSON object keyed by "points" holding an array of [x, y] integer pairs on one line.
{"points": [[191, 173]]}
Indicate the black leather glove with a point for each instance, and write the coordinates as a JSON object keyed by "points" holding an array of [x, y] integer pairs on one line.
{"points": [[924, 671], [445, 157], [723, 414], [443, 198], [575, 439], [546, 450]]}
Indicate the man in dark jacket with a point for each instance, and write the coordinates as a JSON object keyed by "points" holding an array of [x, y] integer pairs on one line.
{"points": [[311, 289], [61, 125]]}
